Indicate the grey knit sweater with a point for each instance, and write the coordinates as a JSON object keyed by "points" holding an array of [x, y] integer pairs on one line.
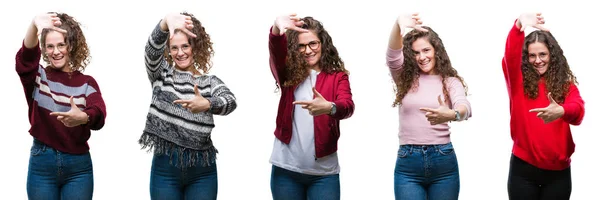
{"points": [[170, 128]]}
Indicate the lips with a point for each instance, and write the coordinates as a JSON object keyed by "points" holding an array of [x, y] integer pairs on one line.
{"points": [[424, 63]]}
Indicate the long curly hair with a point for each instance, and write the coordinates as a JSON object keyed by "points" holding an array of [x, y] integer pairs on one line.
{"points": [[201, 46], [297, 67], [410, 72], [79, 53], [558, 77]]}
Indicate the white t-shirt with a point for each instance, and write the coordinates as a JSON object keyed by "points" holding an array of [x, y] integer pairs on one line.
{"points": [[299, 155]]}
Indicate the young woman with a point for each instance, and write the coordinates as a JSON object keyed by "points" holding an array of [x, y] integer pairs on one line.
{"points": [[64, 106], [184, 101], [430, 94], [315, 96], [544, 102]]}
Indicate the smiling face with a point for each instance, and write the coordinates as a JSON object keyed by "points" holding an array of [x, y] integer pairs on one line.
{"points": [[424, 55], [57, 51], [538, 56], [310, 45], [181, 51]]}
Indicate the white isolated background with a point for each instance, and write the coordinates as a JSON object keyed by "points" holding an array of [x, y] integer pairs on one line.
{"points": [[473, 32]]}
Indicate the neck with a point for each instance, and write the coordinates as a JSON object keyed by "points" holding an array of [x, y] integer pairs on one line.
{"points": [[316, 68], [191, 69]]}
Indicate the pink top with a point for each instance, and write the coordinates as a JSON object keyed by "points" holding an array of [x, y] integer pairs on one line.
{"points": [[414, 127]]}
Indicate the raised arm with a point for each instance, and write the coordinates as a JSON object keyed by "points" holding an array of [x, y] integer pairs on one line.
{"points": [[278, 44], [27, 60], [511, 63], [155, 47], [394, 55]]}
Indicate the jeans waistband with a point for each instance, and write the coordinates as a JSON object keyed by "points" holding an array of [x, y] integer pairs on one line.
{"points": [[424, 146]]}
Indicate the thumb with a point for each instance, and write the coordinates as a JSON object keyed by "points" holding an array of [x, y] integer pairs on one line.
{"points": [[551, 99], [440, 100], [196, 92], [171, 32], [73, 105], [317, 94]]}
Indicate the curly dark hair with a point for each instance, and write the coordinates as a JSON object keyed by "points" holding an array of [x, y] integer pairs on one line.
{"points": [[79, 53], [297, 67], [201, 46], [410, 72], [558, 76]]}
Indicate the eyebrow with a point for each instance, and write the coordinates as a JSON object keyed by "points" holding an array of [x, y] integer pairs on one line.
{"points": [[309, 42]]}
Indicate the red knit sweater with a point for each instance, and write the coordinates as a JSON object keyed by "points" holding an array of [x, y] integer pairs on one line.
{"points": [[546, 146], [48, 90]]}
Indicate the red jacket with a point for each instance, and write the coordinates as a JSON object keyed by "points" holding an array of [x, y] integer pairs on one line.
{"points": [[334, 87], [546, 146]]}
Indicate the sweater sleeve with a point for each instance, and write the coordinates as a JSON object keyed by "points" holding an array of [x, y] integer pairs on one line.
{"points": [[394, 61], [27, 64], [222, 100], [154, 55], [277, 56], [511, 63], [343, 98], [95, 107], [573, 106], [458, 96]]}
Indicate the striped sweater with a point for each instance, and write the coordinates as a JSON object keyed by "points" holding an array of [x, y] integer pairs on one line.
{"points": [[170, 128], [48, 90]]}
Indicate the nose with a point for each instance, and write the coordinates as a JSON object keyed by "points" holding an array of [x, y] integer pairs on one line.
{"points": [[420, 56], [55, 50], [180, 52], [308, 50]]}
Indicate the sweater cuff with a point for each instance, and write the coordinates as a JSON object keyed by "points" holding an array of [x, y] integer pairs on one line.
{"points": [[92, 116], [271, 35], [571, 111]]}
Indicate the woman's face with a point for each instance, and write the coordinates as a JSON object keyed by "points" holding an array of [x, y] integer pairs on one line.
{"points": [[539, 57], [57, 51], [181, 51], [424, 55], [310, 46]]}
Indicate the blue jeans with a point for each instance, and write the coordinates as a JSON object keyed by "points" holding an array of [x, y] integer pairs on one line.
{"points": [[55, 175], [289, 185], [426, 172], [168, 181]]}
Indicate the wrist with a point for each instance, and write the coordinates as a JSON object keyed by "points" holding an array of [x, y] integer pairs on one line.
{"points": [[454, 115], [561, 111], [332, 108], [85, 118]]}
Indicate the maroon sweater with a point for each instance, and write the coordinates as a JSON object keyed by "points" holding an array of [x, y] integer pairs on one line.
{"points": [[546, 146], [334, 87], [48, 90]]}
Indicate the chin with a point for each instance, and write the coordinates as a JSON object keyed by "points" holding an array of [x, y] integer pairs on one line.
{"points": [[183, 66]]}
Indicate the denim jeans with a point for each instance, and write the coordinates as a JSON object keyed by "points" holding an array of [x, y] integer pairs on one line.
{"points": [[426, 172], [170, 182], [289, 185], [527, 182], [55, 175]]}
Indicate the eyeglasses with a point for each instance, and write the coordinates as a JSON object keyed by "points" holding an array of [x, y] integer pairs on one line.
{"points": [[313, 45], [59, 46], [175, 49]]}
